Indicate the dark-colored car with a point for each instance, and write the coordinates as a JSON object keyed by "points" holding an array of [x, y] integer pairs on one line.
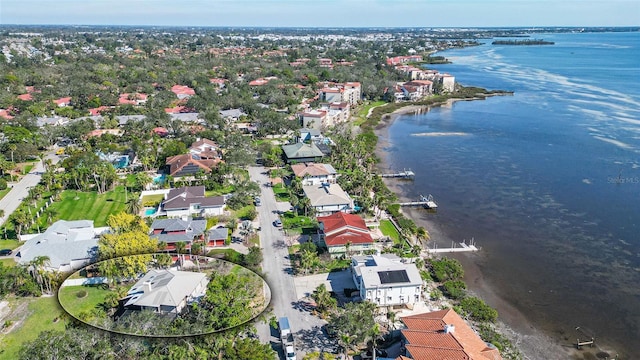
{"points": [[5, 252]]}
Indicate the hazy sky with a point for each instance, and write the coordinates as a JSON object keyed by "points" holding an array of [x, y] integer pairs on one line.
{"points": [[324, 13]]}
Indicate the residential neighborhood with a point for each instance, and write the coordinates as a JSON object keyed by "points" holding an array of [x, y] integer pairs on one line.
{"points": [[214, 145]]}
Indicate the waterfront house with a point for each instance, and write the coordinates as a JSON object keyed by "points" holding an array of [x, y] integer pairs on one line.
{"points": [[315, 174], [327, 198], [191, 201], [443, 334], [386, 280], [165, 291], [343, 234], [301, 152]]}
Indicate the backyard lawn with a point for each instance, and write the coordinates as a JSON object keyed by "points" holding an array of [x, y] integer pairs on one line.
{"points": [[89, 205], [75, 305], [387, 229], [41, 315], [152, 199]]}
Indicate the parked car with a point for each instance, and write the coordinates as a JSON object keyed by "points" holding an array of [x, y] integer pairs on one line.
{"points": [[257, 201], [5, 252], [277, 223]]}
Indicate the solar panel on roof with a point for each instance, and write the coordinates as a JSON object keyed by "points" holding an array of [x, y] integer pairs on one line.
{"points": [[392, 277]]}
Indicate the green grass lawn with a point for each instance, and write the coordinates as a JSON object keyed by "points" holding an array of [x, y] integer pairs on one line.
{"points": [[8, 262], [244, 212], [221, 191], [156, 199], [42, 312], [387, 229], [75, 305], [9, 244], [362, 113], [4, 192], [281, 192], [297, 224], [89, 205]]}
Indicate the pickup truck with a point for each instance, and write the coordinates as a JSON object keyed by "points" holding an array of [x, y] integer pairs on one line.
{"points": [[287, 339]]}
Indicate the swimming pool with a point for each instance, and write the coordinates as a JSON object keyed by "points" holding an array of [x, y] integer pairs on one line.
{"points": [[150, 211], [160, 179]]}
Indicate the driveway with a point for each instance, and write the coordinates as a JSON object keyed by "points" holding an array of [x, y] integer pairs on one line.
{"points": [[335, 281], [20, 190], [278, 274]]}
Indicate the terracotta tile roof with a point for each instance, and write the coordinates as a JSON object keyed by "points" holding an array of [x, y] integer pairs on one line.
{"points": [[433, 353], [312, 169], [182, 90], [341, 228], [5, 114], [61, 101], [132, 99], [178, 162], [468, 341], [25, 97], [98, 110]]}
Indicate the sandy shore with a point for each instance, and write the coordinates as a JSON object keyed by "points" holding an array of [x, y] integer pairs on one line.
{"points": [[532, 342]]}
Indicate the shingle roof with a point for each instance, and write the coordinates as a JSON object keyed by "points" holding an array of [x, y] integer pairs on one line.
{"points": [[187, 229], [168, 288], [218, 233], [301, 150], [62, 242], [326, 195], [184, 197]]}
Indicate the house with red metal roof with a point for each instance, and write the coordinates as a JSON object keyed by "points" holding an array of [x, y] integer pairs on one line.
{"points": [[339, 229], [443, 334]]}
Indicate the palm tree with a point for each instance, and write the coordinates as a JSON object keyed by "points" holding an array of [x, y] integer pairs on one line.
{"points": [[133, 206], [39, 273], [12, 148], [180, 247]]}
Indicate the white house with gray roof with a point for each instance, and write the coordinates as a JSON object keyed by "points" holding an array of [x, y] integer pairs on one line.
{"points": [[70, 245], [191, 201], [327, 198], [165, 291], [386, 281]]}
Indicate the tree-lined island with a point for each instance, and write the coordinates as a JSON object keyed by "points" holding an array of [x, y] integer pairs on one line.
{"points": [[523, 42]]}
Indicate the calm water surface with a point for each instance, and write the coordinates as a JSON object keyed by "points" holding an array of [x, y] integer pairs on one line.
{"points": [[547, 181]]}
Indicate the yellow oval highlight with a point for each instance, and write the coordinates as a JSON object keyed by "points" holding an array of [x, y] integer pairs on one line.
{"points": [[164, 295]]}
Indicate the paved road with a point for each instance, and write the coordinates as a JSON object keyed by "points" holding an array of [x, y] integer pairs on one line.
{"points": [[20, 190], [277, 269]]}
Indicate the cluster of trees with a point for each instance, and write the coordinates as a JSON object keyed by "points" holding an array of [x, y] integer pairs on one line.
{"points": [[81, 342]]}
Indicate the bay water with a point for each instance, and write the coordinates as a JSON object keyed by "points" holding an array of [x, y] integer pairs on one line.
{"points": [[547, 181]]}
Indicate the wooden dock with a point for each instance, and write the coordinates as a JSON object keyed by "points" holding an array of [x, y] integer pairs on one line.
{"points": [[460, 247], [425, 201], [405, 174]]}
